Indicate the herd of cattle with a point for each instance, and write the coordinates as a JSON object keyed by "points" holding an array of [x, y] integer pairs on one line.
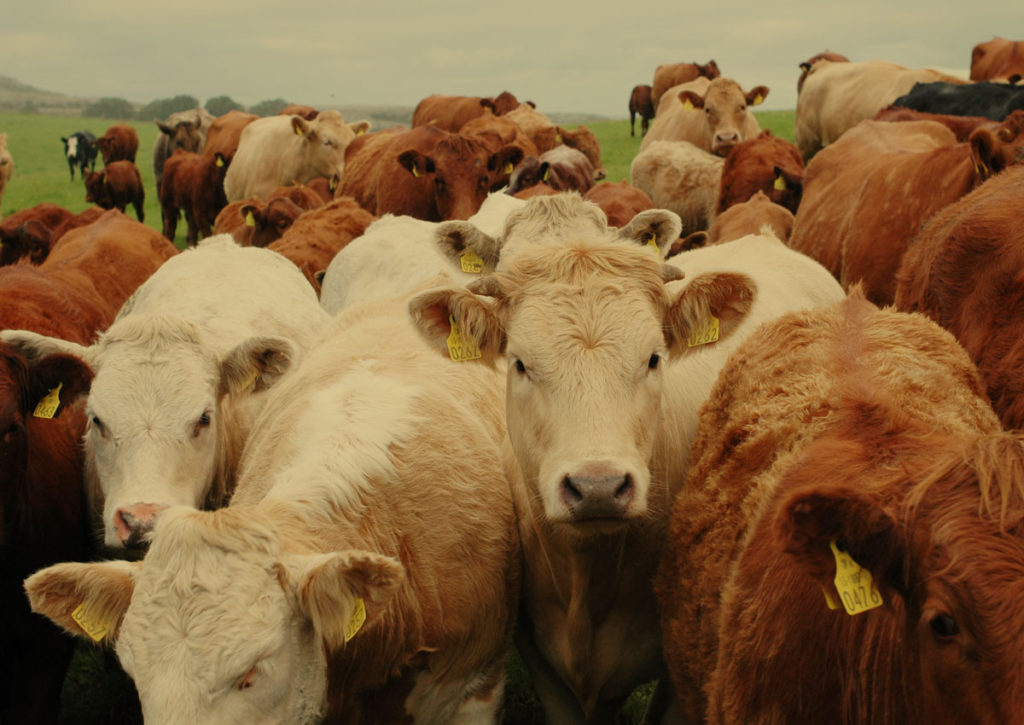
{"points": [[748, 419]]}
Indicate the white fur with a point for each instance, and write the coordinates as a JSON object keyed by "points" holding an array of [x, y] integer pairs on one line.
{"points": [[682, 178]]}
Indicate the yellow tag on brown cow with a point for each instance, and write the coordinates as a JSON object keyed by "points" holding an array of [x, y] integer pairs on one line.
{"points": [[416, 171], [357, 620], [780, 184], [705, 335], [652, 242], [250, 220], [220, 161], [558, 138], [687, 105], [509, 168], [47, 407], [92, 626], [471, 263], [460, 348], [855, 586]]}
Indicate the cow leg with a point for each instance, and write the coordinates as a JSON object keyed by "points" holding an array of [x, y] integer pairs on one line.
{"points": [[632, 116], [170, 215], [139, 212], [559, 703], [193, 229]]}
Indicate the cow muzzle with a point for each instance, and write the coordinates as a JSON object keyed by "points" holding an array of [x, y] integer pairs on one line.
{"points": [[134, 524], [598, 493]]}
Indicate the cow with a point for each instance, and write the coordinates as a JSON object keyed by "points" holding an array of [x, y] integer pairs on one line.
{"points": [[257, 223], [116, 186], [119, 143], [866, 195], [185, 130], [805, 67], [220, 324], [619, 201], [836, 96], [42, 501], [751, 217], [712, 115], [224, 133], [80, 151], [998, 59], [326, 591], [6, 166], [762, 163], [193, 184], [961, 271], [668, 75], [281, 150], [316, 236], [497, 132], [14, 244], [640, 105], [546, 135], [451, 113], [562, 168], [994, 101], [849, 523], [35, 238], [680, 177], [961, 126], [424, 172], [299, 109], [602, 395]]}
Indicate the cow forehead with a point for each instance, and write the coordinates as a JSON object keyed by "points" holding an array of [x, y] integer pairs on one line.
{"points": [[721, 95]]}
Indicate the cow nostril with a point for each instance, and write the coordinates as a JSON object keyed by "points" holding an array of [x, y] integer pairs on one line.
{"points": [[570, 493], [625, 491]]}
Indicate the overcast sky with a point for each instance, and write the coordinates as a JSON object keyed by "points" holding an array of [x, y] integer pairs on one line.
{"points": [[564, 55]]}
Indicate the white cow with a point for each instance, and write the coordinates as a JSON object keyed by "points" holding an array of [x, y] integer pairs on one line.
{"points": [[609, 362], [179, 378], [366, 569]]}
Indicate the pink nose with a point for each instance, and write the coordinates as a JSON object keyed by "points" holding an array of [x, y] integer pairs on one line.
{"points": [[134, 522]]}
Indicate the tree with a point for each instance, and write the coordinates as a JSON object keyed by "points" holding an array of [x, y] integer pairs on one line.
{"points": [[269, 107], [164, 107], [117, 108], [219, 105]]}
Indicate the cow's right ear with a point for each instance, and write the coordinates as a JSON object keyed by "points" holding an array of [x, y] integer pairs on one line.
{"points": [[256, 363], [691, 100], [55, 382], [87, 600], [657, 227], [252, 215], [416, 163], [460, 241], [477, 332], [300, 126], [164, 128], [34, 347], [359, 127]]}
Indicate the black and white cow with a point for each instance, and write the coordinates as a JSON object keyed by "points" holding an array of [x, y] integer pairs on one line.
{"points": [[80, 150]]}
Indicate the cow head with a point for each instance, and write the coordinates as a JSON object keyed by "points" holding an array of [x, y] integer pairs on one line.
{"points": [[145, 449], [266, 224], [992, 150], [587, 327], [219, 623], [584, 140], [727, 116], [323, 143], [530, 172], [97, 190]]}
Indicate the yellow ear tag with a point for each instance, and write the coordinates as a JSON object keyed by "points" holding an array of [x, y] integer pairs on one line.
{"points": [[780, 184], [461, 349], [47, 407], [758, 100], [416, 171], [704, 336], [357, 620], [652, 242], [251, 381], [854, 584], [298, 130], [547, 174], [332, 184], [509, 168], [90, 625], [250, 220], [558, 138], [687, 105], [220, 161], [471, 263]]}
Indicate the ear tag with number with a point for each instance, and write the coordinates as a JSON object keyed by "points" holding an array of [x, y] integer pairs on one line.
{"points": [[460, 348], [780, 184], [652, 242], [855, 586], [471, 263], [250, 220], [357, 620], [47, 407], [705, 335], [558, 138], [92, 626]]}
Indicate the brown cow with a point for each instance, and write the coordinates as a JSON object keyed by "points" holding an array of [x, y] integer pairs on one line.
{"points": [[619, 201], [118, 185], [316, 236], [546, 135], [119, 143], [194, 185], [848, 546], [497, 132], [867, 194], [562, 168], [224, 132], [963, 271], [34, 238], [668, 75], [762, 163], [258, 231], [451, 113], [640, 105], [6, 166], [806, 66], [184, 130], [998, 59], [961, 126], [298, 109], [423, 172], [15, 244], [751, 217]]}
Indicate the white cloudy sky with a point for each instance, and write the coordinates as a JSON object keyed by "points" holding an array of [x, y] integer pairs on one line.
{"points": [[565, 55]]}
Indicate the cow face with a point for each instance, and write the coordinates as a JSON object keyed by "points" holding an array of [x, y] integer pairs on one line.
{"points": [[324, 142], [727, 117], [992, 150], [185, 135], [219, 624]]}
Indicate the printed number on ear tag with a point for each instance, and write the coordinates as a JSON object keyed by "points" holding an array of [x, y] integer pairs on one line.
{"points": [[855, 586], [357, 620], [47, 407], [471, 263], [705, 335], [461, 348], [92, 626]]}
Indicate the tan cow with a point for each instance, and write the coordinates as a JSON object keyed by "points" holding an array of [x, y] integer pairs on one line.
{"points": [[6, 166], [365, 571], [712, 115], [282, 150], [998, 59], [668, 75], [545, 134], [680, 177]]}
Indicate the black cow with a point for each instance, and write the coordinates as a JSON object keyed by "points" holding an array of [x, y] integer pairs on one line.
{"points": [[80, 150], [994, 101]]}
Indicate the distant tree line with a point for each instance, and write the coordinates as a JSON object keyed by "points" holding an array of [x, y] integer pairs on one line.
{"points": [[120, 109]]}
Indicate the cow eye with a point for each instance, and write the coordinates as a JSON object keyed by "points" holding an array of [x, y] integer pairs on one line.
{"points": [[653, 362], [248, 678], [944, 626], [519, 366], [97, 424], [202, 422]]}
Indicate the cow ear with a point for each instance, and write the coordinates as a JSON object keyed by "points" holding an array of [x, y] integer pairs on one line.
{"points": [[460, 241], [708, 310], [691, 100], [693, 240], [343, 591], [55, 382], [984, 153], [657, 228], [359, 127], [87, 600], [256, 364], [505, 160], [477, 331], [252, 215], [416, 163], [34, 347], [164, 128], [756, 95], [300, 126]]}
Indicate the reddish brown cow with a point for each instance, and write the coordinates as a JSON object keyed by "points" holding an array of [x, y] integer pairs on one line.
{"points": [[497, 132], [667, 75], [998, 59], [546, 135], [118, 185], [961, 126], [562, 168], [620, 201], [963, 271], [855, 522], [323, 187], [18, 236], [763, 163], [750, 217], [423, 172], [184, 130], [316, 236], [193, 184], [451, 113], [640, 104], [119, 143], [258, 231], [806, 66], [867, 194], [38, 237], [222, 137]]}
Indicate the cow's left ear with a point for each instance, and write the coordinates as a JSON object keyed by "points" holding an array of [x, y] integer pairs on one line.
{"points": [[505, 160], [460, 241], [657, 228], [342, 591], [708, 310], [300, 126], [256, 364], [416, 163], [985, 152], [460, 324], [359, 127], [87, 600], [755, 96], [54, 383]]}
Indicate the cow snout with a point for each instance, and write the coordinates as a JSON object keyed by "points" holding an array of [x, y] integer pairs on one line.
{"points": [[597, 494], [725, 140], [133, 523]]}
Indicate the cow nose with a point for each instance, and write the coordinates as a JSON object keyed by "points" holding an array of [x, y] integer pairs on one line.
{"points": [[134, 522], [597, 495]]}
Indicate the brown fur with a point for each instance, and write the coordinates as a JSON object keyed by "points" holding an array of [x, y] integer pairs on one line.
{"points": [[562, 169], [118, 185], [998, 59], [806, 66], [497, 132], [15, 244], [193, 184], [184, 130], [640, 105], [750, 217], [546, 135], [961, 126], [762, 163], [298, 109], [451, 113], [668, 75], [620, 201], [119, 143], [232, 219], [224, 132]]}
